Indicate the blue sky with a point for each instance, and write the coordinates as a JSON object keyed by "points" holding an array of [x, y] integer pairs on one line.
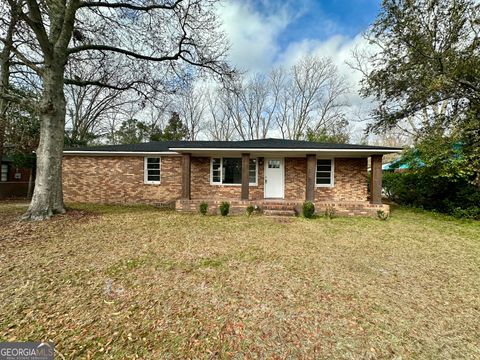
{"points": [[321, 19], [265, 32]]}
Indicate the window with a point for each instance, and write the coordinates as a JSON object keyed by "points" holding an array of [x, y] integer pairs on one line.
{"points": [[216, 170], [252, 171], [152, 170], [325, 172], [232, 171], [274, 164], [229, 171], [4, 172]]}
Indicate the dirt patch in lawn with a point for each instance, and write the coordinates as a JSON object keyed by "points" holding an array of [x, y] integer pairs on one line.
{"points": [[135, 282]]}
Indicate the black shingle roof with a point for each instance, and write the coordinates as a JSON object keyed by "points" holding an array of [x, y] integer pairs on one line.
{"points": [[161, 146]]}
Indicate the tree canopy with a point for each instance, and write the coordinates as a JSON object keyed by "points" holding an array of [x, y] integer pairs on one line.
{"points": [[425, 75], [147, 48]]}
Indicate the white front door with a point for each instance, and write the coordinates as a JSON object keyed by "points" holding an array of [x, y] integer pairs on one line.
{"points": [[273, 178]]}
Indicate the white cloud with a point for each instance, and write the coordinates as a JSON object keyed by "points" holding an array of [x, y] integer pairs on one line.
{"points": [[255, 46], [253, 36]]}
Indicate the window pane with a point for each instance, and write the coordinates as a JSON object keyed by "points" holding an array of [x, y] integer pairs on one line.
{"points": [[274, 164], [153, 161], [324, 162], [323, 180], [216, 163], [216, 170], [324, 172], [232, 171], [323, 168], [252, 171], [4, 172], [216, 176], [152, 169]]}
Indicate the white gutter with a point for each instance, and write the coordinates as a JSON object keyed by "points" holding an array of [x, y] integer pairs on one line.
{"points": [[119, 153], [293, 150]]}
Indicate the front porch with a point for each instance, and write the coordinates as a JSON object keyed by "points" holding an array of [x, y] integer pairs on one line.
{"points": [[307, 177], [283, 207]]}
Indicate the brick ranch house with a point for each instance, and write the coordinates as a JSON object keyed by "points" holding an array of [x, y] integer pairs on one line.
{"points": [[276, 175]]}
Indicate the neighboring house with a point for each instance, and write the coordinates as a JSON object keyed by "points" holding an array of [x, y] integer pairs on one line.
{"points": [[276, 175], [400, 165], [14, 181]]}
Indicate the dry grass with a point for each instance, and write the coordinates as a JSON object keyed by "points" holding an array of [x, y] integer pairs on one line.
{"points": [[117, 282]]}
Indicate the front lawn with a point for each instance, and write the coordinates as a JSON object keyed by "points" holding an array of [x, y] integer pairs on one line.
{"points": [[136, 282]]}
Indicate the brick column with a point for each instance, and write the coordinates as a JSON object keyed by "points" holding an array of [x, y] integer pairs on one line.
{"points": [[311, 177], [245, 175], [186, 165], [376, 179]]}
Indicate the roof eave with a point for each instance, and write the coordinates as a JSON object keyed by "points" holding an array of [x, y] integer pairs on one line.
{"points": [[117, 153], [381, 151]]}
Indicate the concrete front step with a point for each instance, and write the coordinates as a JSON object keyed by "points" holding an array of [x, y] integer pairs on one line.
{"points": [[282, 212], [280, 202], [277, 207]]}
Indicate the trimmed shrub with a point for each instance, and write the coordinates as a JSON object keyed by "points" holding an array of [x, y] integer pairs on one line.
{"points": [[329, 212], [250, 209], [308, 209], [382, 215], [224, 208], [203, 208]]}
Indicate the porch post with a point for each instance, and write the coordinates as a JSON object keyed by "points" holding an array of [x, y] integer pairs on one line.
{"points": [[311, 176], [376, 179], [186, 176], [245, 175]]}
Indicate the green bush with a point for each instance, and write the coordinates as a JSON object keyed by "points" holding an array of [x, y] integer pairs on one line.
{"points": [[470, 213], [250, 209], [329, 212], [455, 197], [382, 215], [308, 209], [224, 208], [203, 208]]}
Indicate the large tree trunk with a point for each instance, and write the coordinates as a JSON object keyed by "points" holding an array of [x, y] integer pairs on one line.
{"points": [[4, 86], [47, 198]]}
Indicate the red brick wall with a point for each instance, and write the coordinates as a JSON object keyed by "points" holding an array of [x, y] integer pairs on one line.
{"points": [[202, 189], [350, 181], [295, 178], [119, 179]]}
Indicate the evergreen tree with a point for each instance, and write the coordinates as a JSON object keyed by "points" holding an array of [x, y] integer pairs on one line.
{"points": [[175, 129]]}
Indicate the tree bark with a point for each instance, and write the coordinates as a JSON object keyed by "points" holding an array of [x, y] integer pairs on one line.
{"points": [[47, 198], [5, 79]]}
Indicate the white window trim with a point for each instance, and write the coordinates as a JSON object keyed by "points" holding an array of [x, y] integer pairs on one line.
{"points": [[221, 171], [4, 172], [145, 170], [332, 173]]}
